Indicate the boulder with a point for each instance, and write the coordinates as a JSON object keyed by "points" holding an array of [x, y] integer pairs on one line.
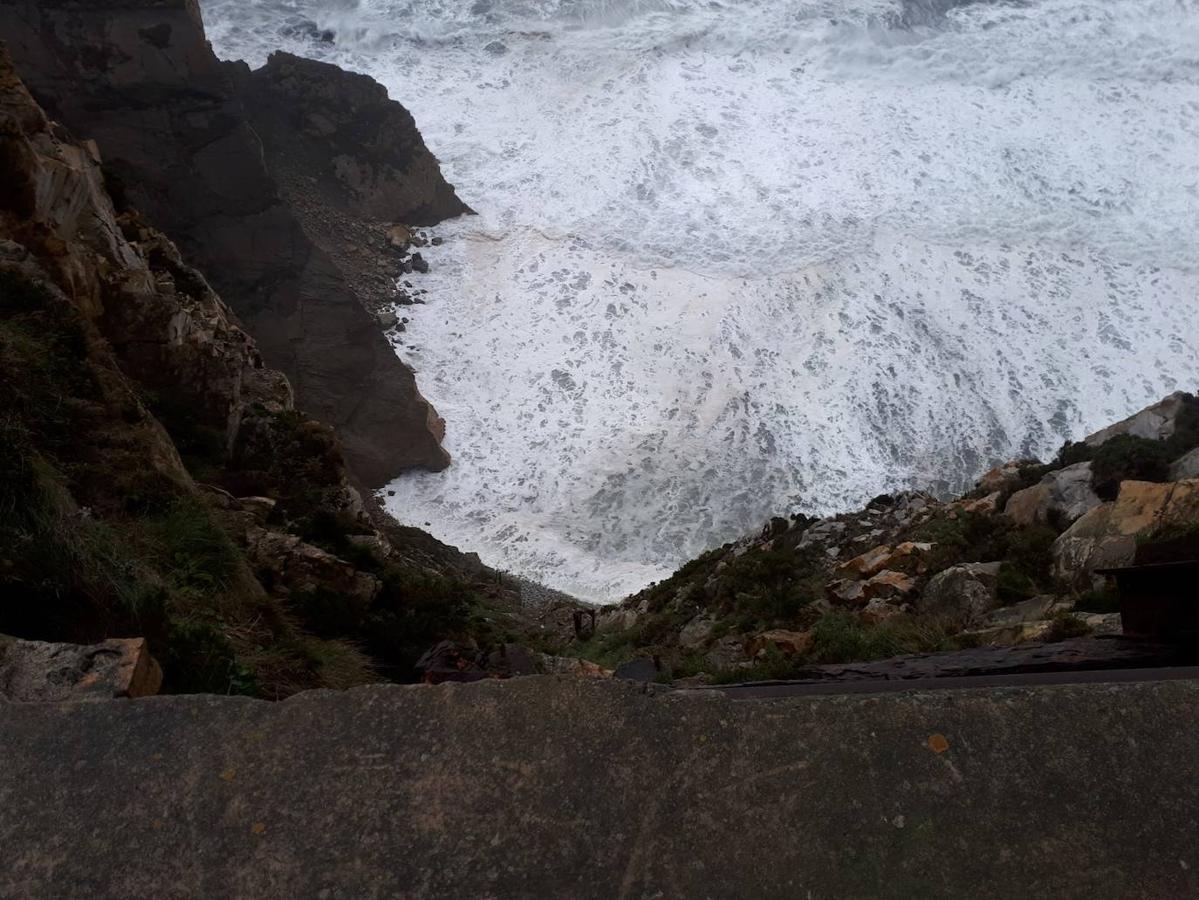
{"points": [[1154, 422], [695, 633], [1064, 495], [33, 671], [288, 565], [1185, 467], [986, 506], [1107, 535], [789, 643], [964, 593], [865, 564], [888, 585], [726, 652]]}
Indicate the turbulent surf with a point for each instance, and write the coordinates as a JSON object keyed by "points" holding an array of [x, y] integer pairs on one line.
{"points": [[742, 257]]}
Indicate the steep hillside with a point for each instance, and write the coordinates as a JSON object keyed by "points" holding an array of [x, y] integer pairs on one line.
{"points": [[1011, 561], [139, 78], [156, 478]]}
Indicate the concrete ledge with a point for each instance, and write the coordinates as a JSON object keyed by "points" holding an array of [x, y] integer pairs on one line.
{"points": [[574, 788]]}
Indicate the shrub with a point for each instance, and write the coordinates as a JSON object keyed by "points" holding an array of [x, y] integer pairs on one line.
{"points": [[1065, 626], [1127, 457]]}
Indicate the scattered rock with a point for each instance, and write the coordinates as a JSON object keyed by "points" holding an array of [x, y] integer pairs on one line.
{"points": [[388, 319], [964, 593], [419, 264], [866, 564], [33, 671]]}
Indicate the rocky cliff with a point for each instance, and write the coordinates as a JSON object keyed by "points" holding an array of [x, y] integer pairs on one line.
{"points": [[170, 122], [1012, 561], [156, 478]]}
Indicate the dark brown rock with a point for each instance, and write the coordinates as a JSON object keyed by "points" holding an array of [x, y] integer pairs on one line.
{"points": [[139, 78]]}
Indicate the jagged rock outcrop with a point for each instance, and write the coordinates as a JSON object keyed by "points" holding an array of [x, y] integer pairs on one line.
{"points": [[355, 148], [138, 78], [155, 478]]}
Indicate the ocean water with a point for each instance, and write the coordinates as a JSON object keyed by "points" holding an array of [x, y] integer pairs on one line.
{"points": [[736, 258]]}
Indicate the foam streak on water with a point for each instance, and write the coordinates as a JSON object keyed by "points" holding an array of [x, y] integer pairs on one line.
{"points": [[740, 257]]}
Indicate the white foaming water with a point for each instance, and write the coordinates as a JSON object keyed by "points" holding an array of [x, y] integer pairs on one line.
{"points": [[740, 257]]}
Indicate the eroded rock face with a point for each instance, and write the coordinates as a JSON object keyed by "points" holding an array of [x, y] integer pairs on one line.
{"points": [[341, 129], [35, 671], [139, 78], [1064, 495], [963, 593], [288, 565]]}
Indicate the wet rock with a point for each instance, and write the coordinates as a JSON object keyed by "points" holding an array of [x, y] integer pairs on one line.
{"points": [[1062, 496], [399, 236], [963, 594], [388, 319], [419, 264], [33, 671]]}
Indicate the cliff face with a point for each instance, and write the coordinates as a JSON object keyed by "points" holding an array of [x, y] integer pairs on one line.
{"points": [[138, 78], [155, 477]]}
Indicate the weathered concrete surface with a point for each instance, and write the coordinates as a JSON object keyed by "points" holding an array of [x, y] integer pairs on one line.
{"points": [[573, 788]]}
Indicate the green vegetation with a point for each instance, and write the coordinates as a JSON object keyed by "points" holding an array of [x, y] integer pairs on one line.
{"points": [[1127, 457]]}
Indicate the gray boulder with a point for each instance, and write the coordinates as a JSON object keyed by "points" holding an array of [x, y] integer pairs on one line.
{"points": [[1154, 422], [1064, 494], [964, 593], [1185, 466]]}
